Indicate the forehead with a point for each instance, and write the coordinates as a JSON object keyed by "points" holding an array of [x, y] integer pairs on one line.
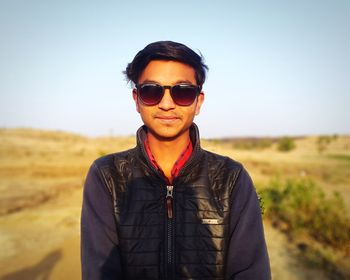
{"points": [[167, 72]]}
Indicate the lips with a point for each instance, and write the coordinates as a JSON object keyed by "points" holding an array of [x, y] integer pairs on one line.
{"points": [[167, 118]]}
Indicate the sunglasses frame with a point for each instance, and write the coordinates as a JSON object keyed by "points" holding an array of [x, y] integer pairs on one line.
{"points": [[139, 87]]}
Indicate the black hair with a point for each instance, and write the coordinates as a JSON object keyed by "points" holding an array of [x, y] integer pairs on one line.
{"points": [[166, 50]]}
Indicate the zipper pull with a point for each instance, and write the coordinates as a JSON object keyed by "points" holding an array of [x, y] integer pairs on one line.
{"points": [[169, 201]]}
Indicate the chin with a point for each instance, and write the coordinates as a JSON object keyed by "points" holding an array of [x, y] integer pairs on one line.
{"points": [[166, 133]]}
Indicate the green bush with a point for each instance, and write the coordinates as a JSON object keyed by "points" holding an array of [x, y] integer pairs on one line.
{"points": [[247, 143], [252, 144], [303, 206], [319, 224], [286, 144]]}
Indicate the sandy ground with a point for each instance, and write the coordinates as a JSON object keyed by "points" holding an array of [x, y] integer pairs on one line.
{"points": [[43, 243]]}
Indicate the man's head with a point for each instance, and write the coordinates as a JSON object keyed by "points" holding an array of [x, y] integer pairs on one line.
{"points": [[168, 79]]}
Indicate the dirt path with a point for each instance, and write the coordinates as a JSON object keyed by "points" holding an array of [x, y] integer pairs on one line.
{"points": [[43, 243], [284, 265]]}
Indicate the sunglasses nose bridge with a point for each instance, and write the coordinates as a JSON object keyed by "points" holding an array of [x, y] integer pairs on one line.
{"points": [[165, 88], [167, 100], [169, 88]]}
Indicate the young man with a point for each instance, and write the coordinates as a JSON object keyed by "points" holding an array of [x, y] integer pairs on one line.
{"points": [[168, 209]]}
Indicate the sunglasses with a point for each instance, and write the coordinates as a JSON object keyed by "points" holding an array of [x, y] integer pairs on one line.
{"points": [[182, 94]]}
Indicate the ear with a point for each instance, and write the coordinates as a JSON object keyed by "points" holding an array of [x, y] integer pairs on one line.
{"points": [[134, 96], [200, 100]]}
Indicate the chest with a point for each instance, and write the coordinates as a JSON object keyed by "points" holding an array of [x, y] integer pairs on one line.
{"points": [[194, 236]]}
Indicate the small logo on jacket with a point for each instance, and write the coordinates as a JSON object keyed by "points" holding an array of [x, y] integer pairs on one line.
{"points": [[210, 221]]}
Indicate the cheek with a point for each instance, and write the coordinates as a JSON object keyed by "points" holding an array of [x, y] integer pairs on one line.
{"points": [[189, 113], [193, 110], [144, 112]]}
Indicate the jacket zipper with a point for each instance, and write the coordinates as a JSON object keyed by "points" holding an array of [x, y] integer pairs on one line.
{"points": [[170, 214]]}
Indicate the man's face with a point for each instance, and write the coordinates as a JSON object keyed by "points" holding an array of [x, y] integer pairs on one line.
{"points": [[167, 120]]}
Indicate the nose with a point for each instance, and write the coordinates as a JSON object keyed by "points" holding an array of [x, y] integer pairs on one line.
{"points": [[167, 102]]}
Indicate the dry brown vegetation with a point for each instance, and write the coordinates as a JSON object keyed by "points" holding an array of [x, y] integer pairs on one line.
{"points": [[41, 178], [35, 165]]}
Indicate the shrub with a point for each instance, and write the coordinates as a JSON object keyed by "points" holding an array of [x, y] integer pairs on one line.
{"points": [[302, 209], [252, 143], [247, 143], [286, 144], [303, 206]]}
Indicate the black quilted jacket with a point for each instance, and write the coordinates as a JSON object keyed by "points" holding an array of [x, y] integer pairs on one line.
{"points": [[206, 225]]}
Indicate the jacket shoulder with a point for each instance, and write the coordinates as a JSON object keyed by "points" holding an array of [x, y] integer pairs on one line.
{"points": [[115, 169], [114, 158], [222, 162], [222, 169]]}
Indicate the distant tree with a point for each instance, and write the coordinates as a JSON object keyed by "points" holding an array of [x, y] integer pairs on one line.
{"points": [[286, 144]]}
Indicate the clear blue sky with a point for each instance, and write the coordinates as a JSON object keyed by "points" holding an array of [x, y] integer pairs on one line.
{"points": [[276, 67]]}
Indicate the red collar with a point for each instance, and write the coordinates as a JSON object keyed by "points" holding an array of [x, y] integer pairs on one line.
{"points": [[185, 155]]}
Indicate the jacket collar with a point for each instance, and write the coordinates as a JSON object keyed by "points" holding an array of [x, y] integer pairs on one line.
{"points": [[141, 135]]}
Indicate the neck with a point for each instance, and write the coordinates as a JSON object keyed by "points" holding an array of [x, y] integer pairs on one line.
{"points": [[167, 151]]}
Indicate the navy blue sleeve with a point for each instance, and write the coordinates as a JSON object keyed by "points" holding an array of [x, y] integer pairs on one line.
{"points": [[100, 258], [247, 253]]}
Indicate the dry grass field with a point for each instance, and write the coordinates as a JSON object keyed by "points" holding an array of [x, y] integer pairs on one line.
{"points": [[41, 178]]}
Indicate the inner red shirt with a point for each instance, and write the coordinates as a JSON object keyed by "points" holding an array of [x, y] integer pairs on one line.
{"points": [[180, 162]]}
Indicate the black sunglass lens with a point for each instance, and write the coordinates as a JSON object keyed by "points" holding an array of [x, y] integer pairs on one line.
{"points": [[184, 95], [150, 94]]}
